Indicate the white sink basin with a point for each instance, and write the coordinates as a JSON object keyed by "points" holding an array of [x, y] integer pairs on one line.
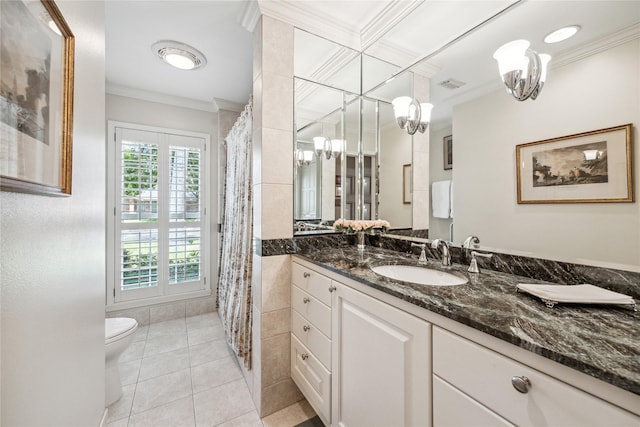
{"points": [[419, 275]]}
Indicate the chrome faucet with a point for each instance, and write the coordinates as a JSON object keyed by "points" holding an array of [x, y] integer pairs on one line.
{"points": [[446, 255], [423, 255], [473, 266]]}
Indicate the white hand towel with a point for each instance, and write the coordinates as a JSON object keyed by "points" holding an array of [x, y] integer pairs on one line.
{"points": [[440, 198], [451, 200]]}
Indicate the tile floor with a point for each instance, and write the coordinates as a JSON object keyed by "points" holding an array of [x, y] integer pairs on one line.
{"points": [[182, 373]]}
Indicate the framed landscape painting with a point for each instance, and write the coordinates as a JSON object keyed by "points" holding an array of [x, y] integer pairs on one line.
{"points": [[36, 98], [590, 167]]}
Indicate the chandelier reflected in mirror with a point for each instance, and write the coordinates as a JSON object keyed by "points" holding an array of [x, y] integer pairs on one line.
{"points": [[331, 148], [411, 115]]}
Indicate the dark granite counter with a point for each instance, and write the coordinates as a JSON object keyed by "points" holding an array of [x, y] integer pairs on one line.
{"points": [[600, 341]]}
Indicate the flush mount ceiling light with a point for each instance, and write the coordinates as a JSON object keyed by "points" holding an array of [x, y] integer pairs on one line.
{"points": [[179, 55], [522, 70], [411, 115], [561, 34]]}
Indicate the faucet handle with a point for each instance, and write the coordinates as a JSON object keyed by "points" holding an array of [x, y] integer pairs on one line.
{"points": [[473, 265], [423, 255], [469, 240]]}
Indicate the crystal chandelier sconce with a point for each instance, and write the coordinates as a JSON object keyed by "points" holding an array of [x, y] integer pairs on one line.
{"points": [[331, 148], [411, 115], [523, 70]]}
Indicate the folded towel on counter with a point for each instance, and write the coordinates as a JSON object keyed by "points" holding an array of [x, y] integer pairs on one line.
{"points": [[586, 294], [440, 198]]}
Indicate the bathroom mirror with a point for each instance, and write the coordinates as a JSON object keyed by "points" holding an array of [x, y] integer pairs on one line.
{"points": [[366, 180], [486, 124]]}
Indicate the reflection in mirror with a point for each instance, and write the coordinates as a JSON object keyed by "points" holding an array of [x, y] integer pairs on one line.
{"points": [[322, 61]]}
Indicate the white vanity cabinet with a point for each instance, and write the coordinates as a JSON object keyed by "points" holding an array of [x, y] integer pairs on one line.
{"points": [[311, 337], [381, 363], [473, 385], [364, 358]]}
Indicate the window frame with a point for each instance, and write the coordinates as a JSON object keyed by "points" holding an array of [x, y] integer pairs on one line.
{"points": [[117, 299]]}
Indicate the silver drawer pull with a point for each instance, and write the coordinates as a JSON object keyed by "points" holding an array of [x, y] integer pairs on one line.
{"points": [[305, 300], [522, 384], [304, 356], [306, 328], [332, 288], [306, 274]]}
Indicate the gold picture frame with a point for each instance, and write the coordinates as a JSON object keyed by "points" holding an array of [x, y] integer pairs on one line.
{"points": [[36, 99], [588, 167], [406, 184]]}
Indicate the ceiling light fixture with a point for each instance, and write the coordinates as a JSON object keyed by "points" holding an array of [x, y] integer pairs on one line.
{"points": [[179, 55], [411, 115], [561, 34], [522, 70]]}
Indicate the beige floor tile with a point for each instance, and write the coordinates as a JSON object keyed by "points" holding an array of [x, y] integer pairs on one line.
{"points": [[221, 404], [213, 374], [167, 327], [247, 420], [203, 321], [124, 422], [205, 334], [208, 351], [134, 352], [290, 416], [141, 333], [129, 371], [175, 414], [164, 363], [165, 343], [160, 390], [122, 408]]}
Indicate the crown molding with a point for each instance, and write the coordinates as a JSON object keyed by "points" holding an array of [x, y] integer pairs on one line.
{"points": [[615, 39], [315, 22], [176, 101], [386, 20], [250, 15], [227, 105]]}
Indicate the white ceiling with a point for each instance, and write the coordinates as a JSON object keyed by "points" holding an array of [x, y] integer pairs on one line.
{"points": [[399, 31]]}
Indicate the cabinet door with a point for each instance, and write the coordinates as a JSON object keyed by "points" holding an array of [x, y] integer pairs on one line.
{"points": [[381, 363]]}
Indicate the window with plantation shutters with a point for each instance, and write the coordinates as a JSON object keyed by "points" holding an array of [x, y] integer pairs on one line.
{"points": [[159, 235]]}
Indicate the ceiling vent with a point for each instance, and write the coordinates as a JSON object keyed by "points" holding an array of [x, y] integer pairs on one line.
{"points": [[452, 84]]}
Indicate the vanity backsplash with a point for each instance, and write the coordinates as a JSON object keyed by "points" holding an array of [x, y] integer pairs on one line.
{"points": [[626, 282]]}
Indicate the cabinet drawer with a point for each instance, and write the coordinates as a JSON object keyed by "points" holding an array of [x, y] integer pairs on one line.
{"points": [[312, 378], [311, 282], [312, 310], [453, 408], [486, 376], [315, 340]]}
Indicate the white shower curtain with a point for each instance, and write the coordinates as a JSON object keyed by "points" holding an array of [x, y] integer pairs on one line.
{"points": [[234, 278]]}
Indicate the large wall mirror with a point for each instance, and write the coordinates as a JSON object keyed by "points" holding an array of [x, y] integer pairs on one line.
{"points": [[592, 84]]}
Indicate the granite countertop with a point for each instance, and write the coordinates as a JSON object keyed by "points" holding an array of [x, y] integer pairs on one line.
{"points": [[600, 341]]}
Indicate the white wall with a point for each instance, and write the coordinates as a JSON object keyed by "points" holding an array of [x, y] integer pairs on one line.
{"points": [[395, 151], [594, 93], [52, 253], [131, 110], [438, 227]]}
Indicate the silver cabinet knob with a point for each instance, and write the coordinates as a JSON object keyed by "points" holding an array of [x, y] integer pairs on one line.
{"points": [[305, 300], [521, 383], [304, 356], [332, 288], [306, 328], [306, 274]]}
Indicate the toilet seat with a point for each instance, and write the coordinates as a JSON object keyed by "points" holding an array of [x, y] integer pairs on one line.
{"points": [[118, 327]]}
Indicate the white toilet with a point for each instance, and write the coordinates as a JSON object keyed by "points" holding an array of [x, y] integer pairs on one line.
{"points": [[118, 334]]}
